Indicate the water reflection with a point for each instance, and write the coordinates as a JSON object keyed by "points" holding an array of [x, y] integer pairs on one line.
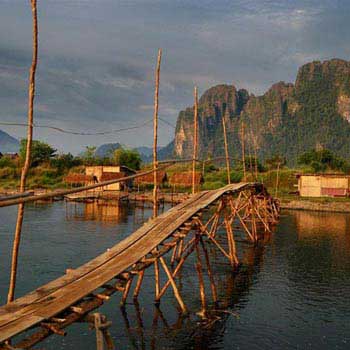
{"points": [[108, 212], [310, 224], [291, 292], [162, 328]]}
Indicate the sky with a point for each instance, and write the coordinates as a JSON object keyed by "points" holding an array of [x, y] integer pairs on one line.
{"points": [[97, 59]]}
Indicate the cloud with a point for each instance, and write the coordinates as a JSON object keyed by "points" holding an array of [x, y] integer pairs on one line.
{"points": [[97, 57]]}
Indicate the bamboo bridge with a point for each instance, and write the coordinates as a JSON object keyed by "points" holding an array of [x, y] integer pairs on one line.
{"points": [[165, 241]]}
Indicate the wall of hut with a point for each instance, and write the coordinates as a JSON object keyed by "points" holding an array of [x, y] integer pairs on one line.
{"points": [[323, 185]]}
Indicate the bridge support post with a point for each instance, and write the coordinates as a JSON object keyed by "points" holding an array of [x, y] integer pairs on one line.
{"points": [[210, 274], [203, 312], [103, 336], [138, 284], [173, 284]]}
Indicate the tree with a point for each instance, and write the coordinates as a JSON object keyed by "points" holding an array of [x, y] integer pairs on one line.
{"points": [[127, 157], [41, 152], [64, 162], [273, 162], [89, 156], [322, 160], [249, 162]]}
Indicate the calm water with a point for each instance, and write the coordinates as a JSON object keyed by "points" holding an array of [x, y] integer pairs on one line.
{"points": [[291, 293]]}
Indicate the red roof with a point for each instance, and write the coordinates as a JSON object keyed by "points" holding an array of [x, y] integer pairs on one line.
{"points": [[107, 176]]}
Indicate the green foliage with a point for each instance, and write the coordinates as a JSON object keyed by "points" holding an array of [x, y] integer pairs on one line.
{"points": [[40, 152], [236, 176], [250, 164], [89, 157], [127, 157], [65, 162], [8, 173], [286, 180], [217, 179], [213, 185], [7, 162], [323, 160], [275, 161], [209, 168]]}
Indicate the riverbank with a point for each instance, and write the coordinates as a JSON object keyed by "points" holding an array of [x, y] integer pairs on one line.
{"points": [[341, 205]]}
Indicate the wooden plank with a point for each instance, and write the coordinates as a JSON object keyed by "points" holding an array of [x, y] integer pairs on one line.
{"points": [[58, 295]]}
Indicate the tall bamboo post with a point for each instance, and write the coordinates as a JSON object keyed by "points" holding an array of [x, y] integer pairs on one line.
{"points": [[195, 139], [155, 135], [277, 179], [256, 157], [226, 151], [250, 154], [26, 165], [243, 152]]}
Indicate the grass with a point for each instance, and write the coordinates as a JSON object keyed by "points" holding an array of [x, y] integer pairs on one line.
{"points": [[39, 177]]}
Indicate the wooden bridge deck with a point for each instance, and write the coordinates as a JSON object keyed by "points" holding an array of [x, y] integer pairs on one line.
{"points": [[58, 295]]}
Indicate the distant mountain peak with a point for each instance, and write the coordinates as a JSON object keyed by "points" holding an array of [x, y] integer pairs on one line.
{"points": [[8, 144]]}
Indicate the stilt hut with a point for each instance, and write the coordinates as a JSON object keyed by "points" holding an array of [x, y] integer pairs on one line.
{"points": [[76, 179], [111, 172], [118, 186]]}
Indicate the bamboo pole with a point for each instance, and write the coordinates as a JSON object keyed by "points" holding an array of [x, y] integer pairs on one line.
{"points": [[157, 280], [195, 140], [138, 284], [250, 155], [203, 312], [253, 137], [210, 274], [26, 165], [173, 284], [277, 179], [226, 151], [155, 135], [243, 152]]}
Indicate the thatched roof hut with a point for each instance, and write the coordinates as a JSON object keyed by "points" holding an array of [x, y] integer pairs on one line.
{"points": [[107, 176], [148, 178], [185, 179], [76, 178]]}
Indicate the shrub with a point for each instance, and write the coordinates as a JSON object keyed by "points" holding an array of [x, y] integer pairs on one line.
{"points": [[213, 185]]}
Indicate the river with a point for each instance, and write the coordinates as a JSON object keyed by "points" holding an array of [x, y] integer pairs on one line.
{"points": [[291, 292]]}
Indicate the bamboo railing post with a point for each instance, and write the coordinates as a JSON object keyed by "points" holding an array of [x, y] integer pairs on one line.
{"points": [[226, 151], [250, 155], [256, 158], [155, 135], [277, 179], [243, 152], [26, 165], [195, 140]]}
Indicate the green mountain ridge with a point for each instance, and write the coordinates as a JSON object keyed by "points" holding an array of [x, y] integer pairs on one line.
{"points": [[287, 120]]}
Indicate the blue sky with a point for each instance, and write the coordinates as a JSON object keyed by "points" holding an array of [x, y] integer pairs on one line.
{"points": [[97, 57]]}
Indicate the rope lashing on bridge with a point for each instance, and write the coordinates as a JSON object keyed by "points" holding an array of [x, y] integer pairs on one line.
{"points": [[209, 218]]}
